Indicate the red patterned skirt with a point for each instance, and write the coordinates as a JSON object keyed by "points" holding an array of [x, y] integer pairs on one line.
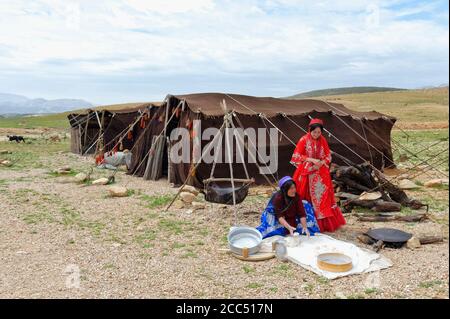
{"points": [[317, 189]]}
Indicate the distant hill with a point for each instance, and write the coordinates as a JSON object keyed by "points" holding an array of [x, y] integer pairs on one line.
{"points": [[18, 104], [413, 108], [343, 90]]}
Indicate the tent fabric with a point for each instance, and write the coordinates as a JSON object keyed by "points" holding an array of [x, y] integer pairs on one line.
{"points": [[86, 128], [209, 105]]}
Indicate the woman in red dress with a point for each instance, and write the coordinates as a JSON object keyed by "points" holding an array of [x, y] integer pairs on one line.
{"points": [[312, 159]]}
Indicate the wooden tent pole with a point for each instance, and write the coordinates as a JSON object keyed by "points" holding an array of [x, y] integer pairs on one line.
{"points": [[85, 133]]}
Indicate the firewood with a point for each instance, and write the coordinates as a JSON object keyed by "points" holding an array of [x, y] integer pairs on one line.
{"points": [[383, 206], [353, 184], [430, 239], [378, 218], [378, 205], [397, 194]]}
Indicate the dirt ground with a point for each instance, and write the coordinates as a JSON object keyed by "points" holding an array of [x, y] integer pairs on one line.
{"points": [[60, 239]]}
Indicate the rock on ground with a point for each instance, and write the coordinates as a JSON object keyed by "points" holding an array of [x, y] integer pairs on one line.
{"points": [[118, 191], [190, 189], [100, 181], [413, 243], [187, 197]]}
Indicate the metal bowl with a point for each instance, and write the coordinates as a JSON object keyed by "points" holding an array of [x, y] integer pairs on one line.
{"points": [[244, 237]]}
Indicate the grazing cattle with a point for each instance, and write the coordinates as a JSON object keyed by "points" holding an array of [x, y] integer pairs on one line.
{"points": [[16, 138]]}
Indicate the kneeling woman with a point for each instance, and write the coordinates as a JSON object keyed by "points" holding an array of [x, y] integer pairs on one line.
{"points": [[286, 213]]}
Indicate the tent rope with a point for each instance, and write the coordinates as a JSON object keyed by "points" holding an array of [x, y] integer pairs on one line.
{"points": [[395, 178], [368, 146], [373, 132]]}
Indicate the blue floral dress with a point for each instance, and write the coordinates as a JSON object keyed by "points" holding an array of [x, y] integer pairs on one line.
{"points": [[271, 227]]}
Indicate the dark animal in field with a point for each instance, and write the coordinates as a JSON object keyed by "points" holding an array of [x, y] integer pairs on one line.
{"points": [[16, 138]]}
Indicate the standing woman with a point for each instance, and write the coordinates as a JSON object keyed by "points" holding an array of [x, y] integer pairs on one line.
{"points": [[312, 159]]}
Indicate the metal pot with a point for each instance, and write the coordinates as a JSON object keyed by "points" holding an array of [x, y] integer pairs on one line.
{"points": [[244, 240]]}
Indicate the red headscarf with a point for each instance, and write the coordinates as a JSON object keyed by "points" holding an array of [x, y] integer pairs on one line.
{"points": [[315, 121]]}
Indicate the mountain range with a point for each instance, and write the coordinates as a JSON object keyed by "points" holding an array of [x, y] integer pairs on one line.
{"points": [[19, 104]]}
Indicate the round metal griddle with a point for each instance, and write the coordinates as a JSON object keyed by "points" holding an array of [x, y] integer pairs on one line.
{"points": [[334, 262], [389, 235]]}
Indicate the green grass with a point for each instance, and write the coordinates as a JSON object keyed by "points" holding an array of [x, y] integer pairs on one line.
{"points": [[370, 291], [56, 121], [178, 245], [31, 155], [254, 285], [430, 284], [156, 201], [248, 269], [38, 217], [189, 254], [417, 141], [172, 226], [146, 238]]}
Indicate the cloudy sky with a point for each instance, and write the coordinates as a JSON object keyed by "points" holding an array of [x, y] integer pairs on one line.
{"points": [[111, 51]]}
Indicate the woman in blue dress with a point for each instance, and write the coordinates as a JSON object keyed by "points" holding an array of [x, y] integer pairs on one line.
{"points": [[286, 213]]}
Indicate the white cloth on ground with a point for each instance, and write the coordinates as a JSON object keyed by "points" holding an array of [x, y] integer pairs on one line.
{"points": [[305, 255]]}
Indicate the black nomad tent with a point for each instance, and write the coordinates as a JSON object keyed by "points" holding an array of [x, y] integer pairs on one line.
{"points": [[107, 129], [354, 137]]}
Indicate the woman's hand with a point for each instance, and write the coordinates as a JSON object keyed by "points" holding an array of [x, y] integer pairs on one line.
{"points": [[291, 230], [305, 231]]}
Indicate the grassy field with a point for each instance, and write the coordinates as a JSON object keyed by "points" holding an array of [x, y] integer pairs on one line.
{"points": [[55, 121], [412, 106], [424, 144]]}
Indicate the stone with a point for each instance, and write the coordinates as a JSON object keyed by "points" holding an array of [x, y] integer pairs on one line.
{"points": [[100, 181], [198, 205], [118, 191], [66, 168], [413, 243], [187, 197], [81, 177], [178, 204], [435, 182], [407, 184], [190, 189], [6, 163]]}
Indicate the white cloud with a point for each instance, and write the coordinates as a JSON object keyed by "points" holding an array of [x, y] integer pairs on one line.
{"points": [[222, 39]]}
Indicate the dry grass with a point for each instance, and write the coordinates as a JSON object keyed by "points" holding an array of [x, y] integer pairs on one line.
{"points": [[428, 105]]}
